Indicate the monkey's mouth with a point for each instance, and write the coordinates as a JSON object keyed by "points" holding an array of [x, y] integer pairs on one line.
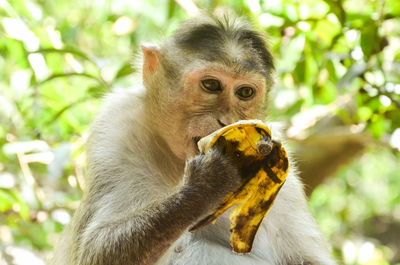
{"points": [[195, 141]]}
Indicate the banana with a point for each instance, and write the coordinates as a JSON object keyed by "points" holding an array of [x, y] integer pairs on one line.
{"points": [[263, 165]]}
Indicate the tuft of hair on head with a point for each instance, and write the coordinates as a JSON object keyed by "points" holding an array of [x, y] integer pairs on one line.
{"points": [[225, 38]]}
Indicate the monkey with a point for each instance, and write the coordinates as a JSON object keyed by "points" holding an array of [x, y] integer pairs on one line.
{"points": [[147, 183]]}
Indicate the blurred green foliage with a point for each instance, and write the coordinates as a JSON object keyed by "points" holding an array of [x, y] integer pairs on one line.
{"points": [[58, 59]]}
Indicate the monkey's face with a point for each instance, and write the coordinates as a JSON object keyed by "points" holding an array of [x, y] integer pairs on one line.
{"points": [[208, 100]]}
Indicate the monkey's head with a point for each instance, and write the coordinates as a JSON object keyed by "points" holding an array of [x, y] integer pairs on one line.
{"points": [[210, 73]]}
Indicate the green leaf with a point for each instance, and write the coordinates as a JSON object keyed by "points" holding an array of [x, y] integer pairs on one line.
{"points": [[17, 52], [378, 126], [71, 50], [295, 108], [393, 7], [311, 71], [125, 70], [6, 201], [290, 11], [337, 8], [326, 31], [171, 9], [369, 38], [97, 91], [394, 116], [327, 93], [55, 62], [364, 113], [299, 72], [63, 75]]}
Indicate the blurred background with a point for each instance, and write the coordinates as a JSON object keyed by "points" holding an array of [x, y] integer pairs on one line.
{"points": [[337, 96]]}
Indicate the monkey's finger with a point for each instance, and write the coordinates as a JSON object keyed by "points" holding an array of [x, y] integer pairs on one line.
{"points": [[232, 199]]}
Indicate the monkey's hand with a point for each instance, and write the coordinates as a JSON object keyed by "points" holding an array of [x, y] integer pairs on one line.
{"points": [[210, 177], [263, 166]]}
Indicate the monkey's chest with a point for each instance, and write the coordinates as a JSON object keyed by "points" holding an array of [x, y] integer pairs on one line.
{"points": [[211, 246]]}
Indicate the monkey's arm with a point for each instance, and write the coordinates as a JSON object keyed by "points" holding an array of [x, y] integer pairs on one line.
{"points": [[107, 233], [138, 237]]}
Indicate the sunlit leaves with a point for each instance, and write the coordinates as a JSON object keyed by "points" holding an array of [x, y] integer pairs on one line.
{"points": [[10, 201], [6, 201], [393, 7], [326, 30], [364, 113], [340, 53], [291, 53], [337, 9], [59, 58], [355, 197], [16, 52]]}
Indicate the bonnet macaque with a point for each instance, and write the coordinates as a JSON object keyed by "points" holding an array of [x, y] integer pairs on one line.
{"points": [[147, 182]]}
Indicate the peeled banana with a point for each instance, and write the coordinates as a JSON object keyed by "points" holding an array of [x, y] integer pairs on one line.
{"points": [[263, 166]]}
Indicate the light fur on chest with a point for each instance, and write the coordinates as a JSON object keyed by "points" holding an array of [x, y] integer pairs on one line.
{"points": [[211, 246]]}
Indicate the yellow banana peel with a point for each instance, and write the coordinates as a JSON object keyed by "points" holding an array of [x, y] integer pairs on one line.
{"points": [[263, 165]]}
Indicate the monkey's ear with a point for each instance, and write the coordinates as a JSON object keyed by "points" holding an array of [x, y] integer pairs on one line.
{"points": [[151, 58]]}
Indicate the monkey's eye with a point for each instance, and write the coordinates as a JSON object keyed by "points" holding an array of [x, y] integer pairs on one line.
{"points": [[245, 92], [211, 85]]}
